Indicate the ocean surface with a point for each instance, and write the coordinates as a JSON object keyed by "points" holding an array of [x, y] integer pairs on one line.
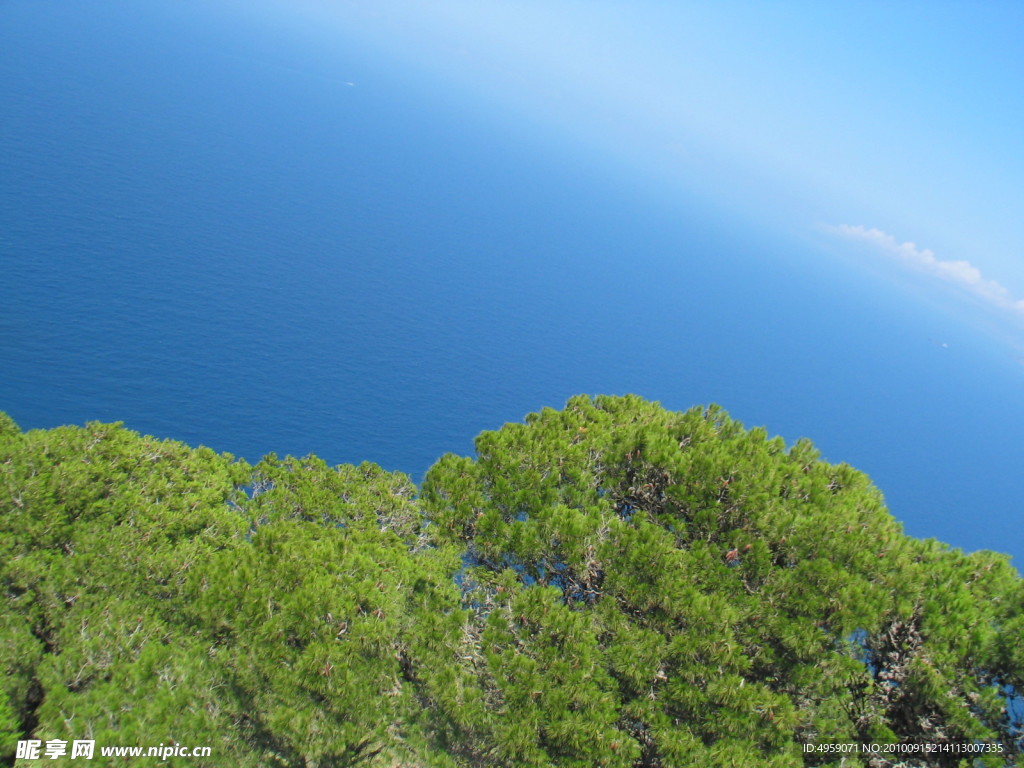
{"points": [[214, 235]]}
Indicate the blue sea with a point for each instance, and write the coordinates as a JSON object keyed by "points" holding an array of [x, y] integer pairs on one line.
{"points": [[215, 235]]}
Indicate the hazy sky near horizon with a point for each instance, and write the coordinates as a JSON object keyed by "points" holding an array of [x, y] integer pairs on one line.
{"points": [[899, 119]]}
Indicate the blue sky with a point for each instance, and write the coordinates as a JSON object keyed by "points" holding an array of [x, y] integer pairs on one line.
{"points": [[892, 129]]}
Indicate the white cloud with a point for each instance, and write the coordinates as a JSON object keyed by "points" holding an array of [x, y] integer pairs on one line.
{"points": [[961, 273]]}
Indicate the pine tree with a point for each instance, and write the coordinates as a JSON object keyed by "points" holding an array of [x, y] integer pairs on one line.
{"points": [[612, 584], [732, 599]]}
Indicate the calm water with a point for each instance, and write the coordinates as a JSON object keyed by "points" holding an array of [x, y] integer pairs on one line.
{"points": [[208, 234]]}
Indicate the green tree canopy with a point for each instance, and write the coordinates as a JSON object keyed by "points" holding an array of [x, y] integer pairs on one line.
{"points": [[729, 599], [611, 584], [156, 593]]}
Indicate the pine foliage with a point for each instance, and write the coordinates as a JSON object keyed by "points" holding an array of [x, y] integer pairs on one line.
{"points": [[611, 584]]}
